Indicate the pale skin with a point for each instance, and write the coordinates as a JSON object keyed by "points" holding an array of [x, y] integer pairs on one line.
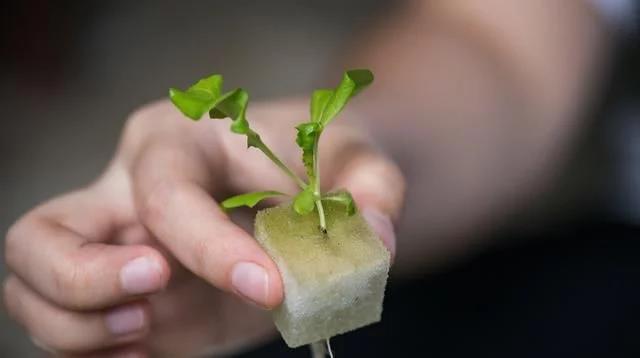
{"points": [[142, 261]]}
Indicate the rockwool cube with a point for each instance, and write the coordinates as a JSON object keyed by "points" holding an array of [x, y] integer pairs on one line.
{"points": [[333, 282]]}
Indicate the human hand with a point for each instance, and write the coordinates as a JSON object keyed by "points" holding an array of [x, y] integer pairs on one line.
{"points": [[143, 262]]}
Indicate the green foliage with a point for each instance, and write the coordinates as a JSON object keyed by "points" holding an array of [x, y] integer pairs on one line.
{"points": [[306, 139], [326, 104], [248, 199], [319, 101], [343, 197], [206, 96], [352, 83], [304, 202], [233, 105], [199, 98]]}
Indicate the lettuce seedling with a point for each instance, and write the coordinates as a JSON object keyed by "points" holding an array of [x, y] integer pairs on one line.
{"points": [[206, 96], [333, 266]]}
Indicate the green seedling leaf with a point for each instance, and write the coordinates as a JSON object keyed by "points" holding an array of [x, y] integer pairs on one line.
{"points": [[248, 199], [199, 98], [343, 197], [352, 83], [233, 105], [304, 202], [306, 138], [319, 101], [206, 96]]}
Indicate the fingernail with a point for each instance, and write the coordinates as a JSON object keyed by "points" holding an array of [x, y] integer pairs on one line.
{"points": [[382, 225], [125, 320], [36, 342], [251, 281], [141, 275]]}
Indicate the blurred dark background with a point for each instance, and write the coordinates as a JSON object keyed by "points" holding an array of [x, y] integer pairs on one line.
{"points": [[71, 71]]}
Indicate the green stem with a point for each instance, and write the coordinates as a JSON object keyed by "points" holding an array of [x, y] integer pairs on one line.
{"points": [[323, 223], [316, 185], [258, 143]]}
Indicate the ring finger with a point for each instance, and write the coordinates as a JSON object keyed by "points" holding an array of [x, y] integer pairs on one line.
{"points": [[61, 330]]}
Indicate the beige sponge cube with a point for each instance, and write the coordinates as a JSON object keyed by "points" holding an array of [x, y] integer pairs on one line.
{"points": [[333, 282]]}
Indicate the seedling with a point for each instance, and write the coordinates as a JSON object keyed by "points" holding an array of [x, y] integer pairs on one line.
{"points": [[206, 96], [333, 266]]}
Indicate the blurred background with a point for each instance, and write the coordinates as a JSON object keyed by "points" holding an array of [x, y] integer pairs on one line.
{"points": [[71, 72]]}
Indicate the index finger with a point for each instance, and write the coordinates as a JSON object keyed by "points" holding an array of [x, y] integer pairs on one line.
{"points": [[172, 201]]}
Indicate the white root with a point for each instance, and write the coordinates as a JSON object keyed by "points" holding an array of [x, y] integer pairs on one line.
{"points": [[320, 349]]}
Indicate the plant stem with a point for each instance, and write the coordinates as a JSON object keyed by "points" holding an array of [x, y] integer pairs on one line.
{"points": [[263, 147], [323, 223], [316, 184]]}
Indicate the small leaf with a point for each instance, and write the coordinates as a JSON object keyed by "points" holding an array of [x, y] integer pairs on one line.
{"points": [[233, 104], [319, 101], [199, 98], [248, 199], [304, 202], [352, 83], [307, 134], [205, 96], [343, 197]]}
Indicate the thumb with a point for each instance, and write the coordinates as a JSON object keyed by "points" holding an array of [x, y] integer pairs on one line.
{"points": [[381, 225], [377, 186]]}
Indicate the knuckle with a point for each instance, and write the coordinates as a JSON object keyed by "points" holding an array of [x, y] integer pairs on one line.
{"points": [[201, 256], [8, 293], [157, 201], [206, 251], [72, 284], [143, 119], [10, 245], [59, 343], [140, 117], [12, 240], [61, 332]]}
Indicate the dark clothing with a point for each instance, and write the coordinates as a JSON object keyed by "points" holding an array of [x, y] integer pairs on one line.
{"points": [[574, 293]]}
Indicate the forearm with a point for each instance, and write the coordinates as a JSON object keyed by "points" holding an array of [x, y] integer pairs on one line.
{"points": [[479, 101]]}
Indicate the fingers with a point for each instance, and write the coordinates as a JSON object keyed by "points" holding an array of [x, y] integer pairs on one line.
{"points": [[373, 180], [130, 351], [190, 224], [60, 330], [378, 188], [184, 217], [77, 274], [376, 183]]}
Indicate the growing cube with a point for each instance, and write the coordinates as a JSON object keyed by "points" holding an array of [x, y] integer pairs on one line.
{"points": [[333, 282]]}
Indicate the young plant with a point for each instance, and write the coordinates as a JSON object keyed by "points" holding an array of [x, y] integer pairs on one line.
{"points": [[334, 278], [206, 96]]}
